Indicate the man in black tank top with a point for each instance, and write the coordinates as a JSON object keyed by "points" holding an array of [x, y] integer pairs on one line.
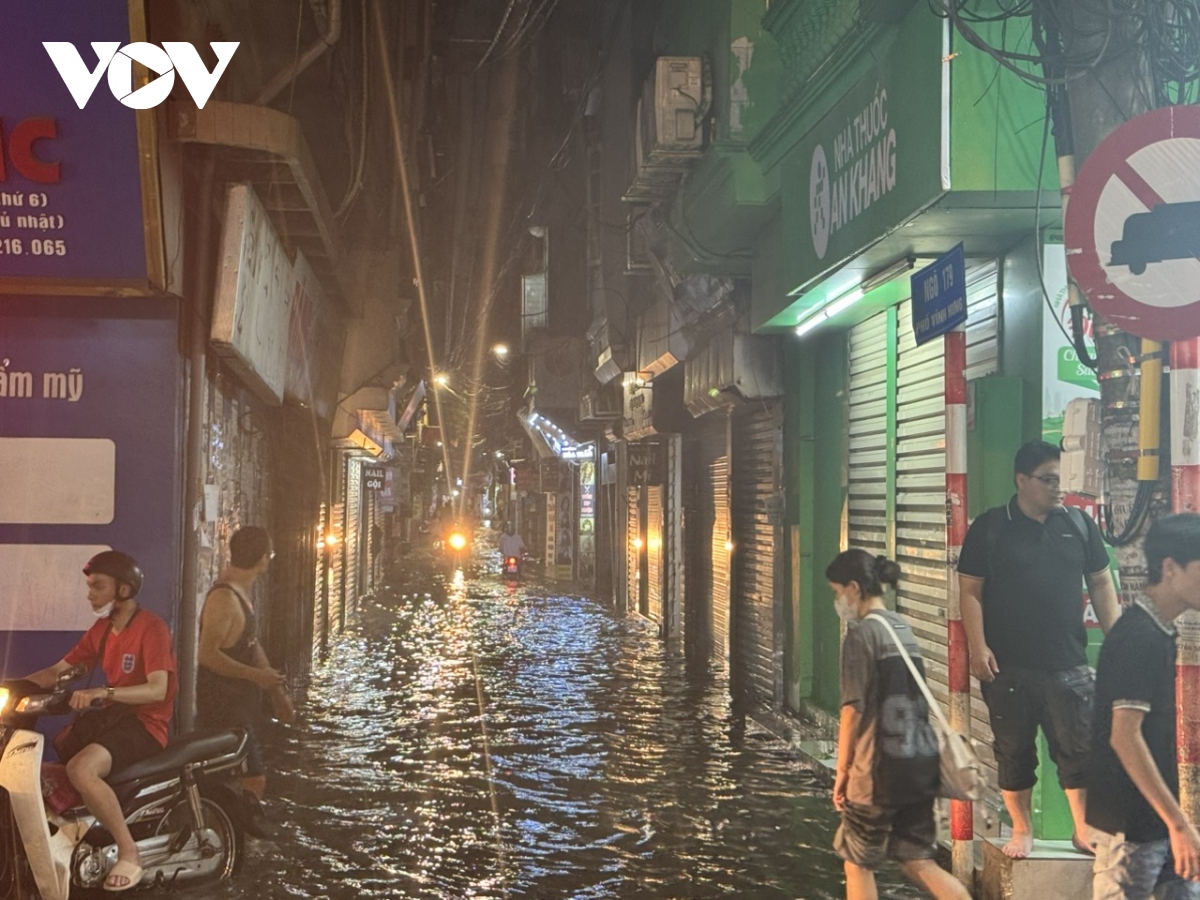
{"points": [[234, 670]]}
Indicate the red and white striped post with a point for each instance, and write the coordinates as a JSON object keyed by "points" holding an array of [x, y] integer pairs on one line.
{"points": [[962, 827], [1185, 497]]}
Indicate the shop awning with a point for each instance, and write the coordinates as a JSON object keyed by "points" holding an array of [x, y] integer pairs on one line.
{"points": [[267, 148]]}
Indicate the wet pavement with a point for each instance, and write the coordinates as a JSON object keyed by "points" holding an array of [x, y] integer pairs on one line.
{"points": [[486, 741]]}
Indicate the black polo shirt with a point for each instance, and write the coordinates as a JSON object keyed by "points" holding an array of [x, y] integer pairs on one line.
{"points": [[1033, 584], [1136, 670]]}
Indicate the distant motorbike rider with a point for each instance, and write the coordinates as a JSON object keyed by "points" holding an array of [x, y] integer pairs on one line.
{"points": [[511, 545], [133, 648]]}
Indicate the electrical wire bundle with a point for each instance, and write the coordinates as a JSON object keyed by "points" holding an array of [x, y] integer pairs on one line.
{"points": [[1165, 34]]}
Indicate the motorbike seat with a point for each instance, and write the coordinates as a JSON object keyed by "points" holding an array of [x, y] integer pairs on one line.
{"points": [[188, 748]]}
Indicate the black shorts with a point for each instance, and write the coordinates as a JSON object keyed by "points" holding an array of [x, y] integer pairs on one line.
{"points": [[127, 743], [1020, 700], [870, 834]]}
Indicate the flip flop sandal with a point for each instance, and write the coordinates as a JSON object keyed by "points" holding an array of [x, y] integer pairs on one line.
{"points": [[131, 873]]}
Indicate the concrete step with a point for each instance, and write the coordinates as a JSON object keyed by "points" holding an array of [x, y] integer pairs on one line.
{"points": [[1054, 869]]}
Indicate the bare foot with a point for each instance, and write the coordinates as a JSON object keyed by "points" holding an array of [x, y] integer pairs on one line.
{"points": [[1082, 846], [1019, 846]]}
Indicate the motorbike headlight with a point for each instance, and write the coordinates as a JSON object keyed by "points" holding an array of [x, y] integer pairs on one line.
{"points": [[458, 541], [4, 694], [34, 704]]}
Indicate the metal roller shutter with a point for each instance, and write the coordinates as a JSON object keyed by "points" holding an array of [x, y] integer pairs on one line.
{"points": [[654, 552], [868, 442], [921, 475], [983, 358], [757, 452], [983, 319], [674, 568], [921, 495], [337, 585], [633, 540], [354, 536], [320, 612], [722, 535]]}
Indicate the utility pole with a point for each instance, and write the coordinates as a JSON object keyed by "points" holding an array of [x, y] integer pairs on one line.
{"points": [[1113, 89], [1116, 89]]}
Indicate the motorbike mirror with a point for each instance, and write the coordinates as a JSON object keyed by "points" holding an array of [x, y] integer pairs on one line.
{"points": [[72, 674]]}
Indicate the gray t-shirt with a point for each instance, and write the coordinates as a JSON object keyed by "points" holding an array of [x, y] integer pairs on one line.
{"points": [[895, 749]]}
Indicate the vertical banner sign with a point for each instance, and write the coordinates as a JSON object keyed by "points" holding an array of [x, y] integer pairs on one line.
{"points": [[551, 530], [587, 520], [1064, 377], [564, 544], [939, 296], [373, 478], [75, 212], [89, 460]]}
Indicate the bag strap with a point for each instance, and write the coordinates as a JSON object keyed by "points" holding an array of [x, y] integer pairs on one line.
{"points": [[1075, 514], [100, 654], [932, 701], [104, 643]]}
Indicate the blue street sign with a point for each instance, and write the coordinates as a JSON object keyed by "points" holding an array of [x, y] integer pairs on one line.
{"points": [[939, 296]]}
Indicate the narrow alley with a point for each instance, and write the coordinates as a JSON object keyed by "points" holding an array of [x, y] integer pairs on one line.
{"points": [[518, 741]]}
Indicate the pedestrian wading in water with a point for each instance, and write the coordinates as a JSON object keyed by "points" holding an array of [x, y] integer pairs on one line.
{"points": [[887, 761]]}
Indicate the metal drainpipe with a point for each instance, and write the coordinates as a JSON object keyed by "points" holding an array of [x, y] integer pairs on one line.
{"points": [[289, 73], [188, 631]]}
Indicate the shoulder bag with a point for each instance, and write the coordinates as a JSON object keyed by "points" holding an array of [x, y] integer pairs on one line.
{"points": [[961, 773]]}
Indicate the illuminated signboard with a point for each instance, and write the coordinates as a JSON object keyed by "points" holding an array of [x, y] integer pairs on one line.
{"points": [[79, 212]]}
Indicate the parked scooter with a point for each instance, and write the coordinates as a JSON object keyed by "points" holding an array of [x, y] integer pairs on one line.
{"points": [[183, 807]]}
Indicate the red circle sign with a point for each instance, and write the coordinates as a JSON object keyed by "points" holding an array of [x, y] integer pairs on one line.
{"points": [[1132, 225]]}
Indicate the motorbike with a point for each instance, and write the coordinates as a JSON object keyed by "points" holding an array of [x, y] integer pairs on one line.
{"points": [[512, 568], [184, 806]]}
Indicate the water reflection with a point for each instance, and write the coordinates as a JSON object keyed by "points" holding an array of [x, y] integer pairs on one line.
{"points": [[492, 743]]}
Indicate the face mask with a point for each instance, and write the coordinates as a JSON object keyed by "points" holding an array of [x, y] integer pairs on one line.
{"points": [[103, 611], [846, 610]]}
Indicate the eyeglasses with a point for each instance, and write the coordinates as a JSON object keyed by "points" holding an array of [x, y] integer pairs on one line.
{"points": [[1050, 481]]}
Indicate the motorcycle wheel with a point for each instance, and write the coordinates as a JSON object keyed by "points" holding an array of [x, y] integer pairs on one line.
{"points": [[223, 835]]}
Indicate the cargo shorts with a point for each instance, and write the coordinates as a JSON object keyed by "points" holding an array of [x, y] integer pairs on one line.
{"points": [[1018, 701]]}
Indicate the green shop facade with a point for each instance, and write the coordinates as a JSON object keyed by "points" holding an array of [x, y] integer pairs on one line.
{"points": [[853, 142]]}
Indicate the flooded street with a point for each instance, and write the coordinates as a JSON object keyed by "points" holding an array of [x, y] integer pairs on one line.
{"points": [[503, 742]]}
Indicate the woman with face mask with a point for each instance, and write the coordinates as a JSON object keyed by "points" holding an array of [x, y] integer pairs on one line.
{"points": [[887, 762]]}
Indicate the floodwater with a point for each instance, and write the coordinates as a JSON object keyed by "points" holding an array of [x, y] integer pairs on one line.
{"points": [[486, 741]]}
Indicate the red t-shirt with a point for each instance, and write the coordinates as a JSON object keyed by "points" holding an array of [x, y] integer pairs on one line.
{"points": [[141, 647]]}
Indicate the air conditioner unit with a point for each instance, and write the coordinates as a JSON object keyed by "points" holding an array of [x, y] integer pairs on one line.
{"points": [[669, 127], [602, 405], [638, 257], [672, 110], [731, 368], [534, 306]]}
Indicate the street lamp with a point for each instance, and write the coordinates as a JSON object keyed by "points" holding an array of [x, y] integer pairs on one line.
{"points": [[440, 379], [500, 351]]}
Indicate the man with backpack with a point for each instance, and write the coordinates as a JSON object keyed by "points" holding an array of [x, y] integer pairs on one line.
{"points": [[1021, 572]]}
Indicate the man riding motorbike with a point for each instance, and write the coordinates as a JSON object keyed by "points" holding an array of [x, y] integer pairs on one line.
{"points": [[132, 647], [511, 545]]}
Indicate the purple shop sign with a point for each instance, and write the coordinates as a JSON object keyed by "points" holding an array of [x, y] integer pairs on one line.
{"points": [[72, 186], [90, 392]]}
